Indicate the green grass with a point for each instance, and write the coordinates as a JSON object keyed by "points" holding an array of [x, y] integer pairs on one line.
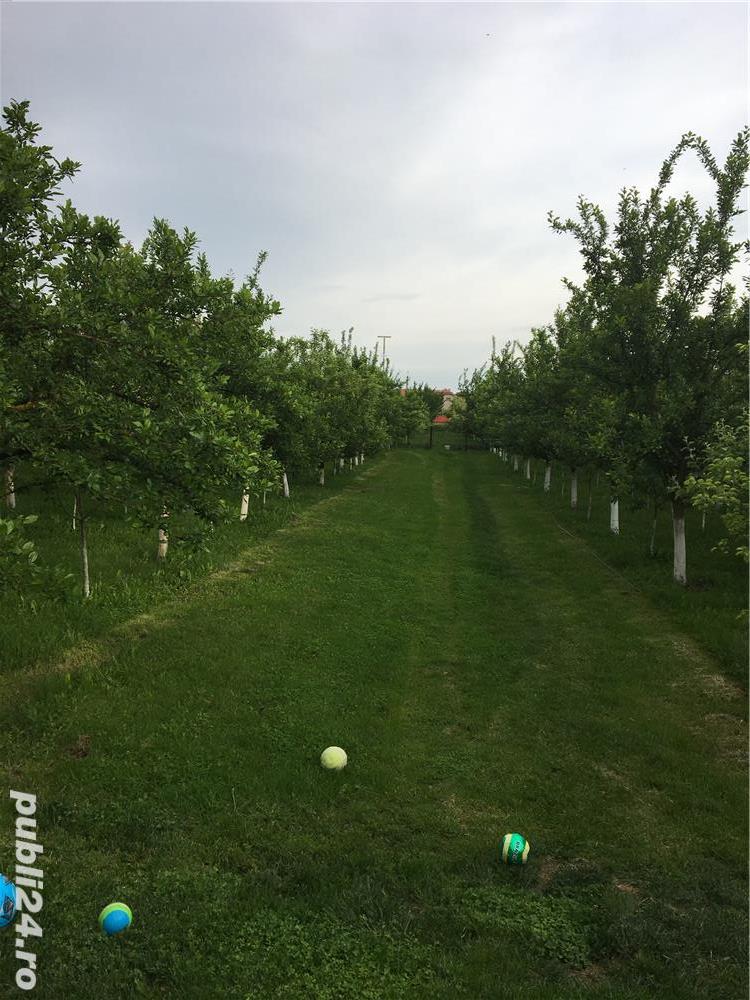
{"points": [[125, 575], [486, 673], [712, 609]]}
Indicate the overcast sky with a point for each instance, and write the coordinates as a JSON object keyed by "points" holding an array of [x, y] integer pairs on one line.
{"points": [[397, 161]]}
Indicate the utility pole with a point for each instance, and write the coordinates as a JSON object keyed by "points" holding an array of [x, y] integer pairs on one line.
{"points": [[384, 337]]}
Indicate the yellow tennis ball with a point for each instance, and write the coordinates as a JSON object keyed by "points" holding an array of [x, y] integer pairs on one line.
{"points": [[333, 758]]}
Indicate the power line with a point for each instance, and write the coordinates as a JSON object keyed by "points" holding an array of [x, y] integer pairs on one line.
{"points": [[384, 337]]}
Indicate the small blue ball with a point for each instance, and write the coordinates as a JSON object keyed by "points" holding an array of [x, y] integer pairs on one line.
{"points": [[7, 901]]}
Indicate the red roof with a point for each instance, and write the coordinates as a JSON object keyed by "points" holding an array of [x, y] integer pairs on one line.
{"points": [[441, 419]]}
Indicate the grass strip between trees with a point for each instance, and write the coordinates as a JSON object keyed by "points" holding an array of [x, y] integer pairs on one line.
{"points": [[485, 674]]}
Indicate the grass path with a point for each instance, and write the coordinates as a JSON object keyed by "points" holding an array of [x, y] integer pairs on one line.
{"points": [[485, 673]]}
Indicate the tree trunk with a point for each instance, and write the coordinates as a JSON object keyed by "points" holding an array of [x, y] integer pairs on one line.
{"points": [[362, 458], [356, 461], [703, 521], [285, 485], [341, 463], [75, 512], [244, 506], [10, 488], [573, 489], [614, 516], [83, 548], [264, 498], [588, 508], [161, 552], [322, 475], [528, 468], [515, 463], [680, 553], [547, 477]]}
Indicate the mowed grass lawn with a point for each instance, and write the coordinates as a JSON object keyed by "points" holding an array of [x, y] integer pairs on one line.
{"points": [[486, 673]]}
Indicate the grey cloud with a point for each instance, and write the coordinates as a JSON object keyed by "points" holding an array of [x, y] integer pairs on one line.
{"points": [[374, 147]]}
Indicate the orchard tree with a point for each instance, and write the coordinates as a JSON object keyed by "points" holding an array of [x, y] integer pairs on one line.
{"points": [[659, 290], [124, 401], [234, 333], [30, 240], [722, 483]]}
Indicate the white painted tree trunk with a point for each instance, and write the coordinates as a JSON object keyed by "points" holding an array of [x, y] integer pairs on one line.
{"points": [[528, 468], [547, 477], [351, 464], [515, 463], [285, 484], [680, 552], [614, 516], [322, 476], [10, 488], [244, 506], [574, 489], [75, 512], [84, 549], [264, 498], [341, 463], [362, 458], [356, 461], [703, 521], [161, 552]]}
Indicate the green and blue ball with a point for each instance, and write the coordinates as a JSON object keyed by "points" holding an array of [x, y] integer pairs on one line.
{"points": [[115, 918]]}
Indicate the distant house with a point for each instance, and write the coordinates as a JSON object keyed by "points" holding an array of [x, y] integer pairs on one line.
{"points": [[441, 419], [448, 397]]}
